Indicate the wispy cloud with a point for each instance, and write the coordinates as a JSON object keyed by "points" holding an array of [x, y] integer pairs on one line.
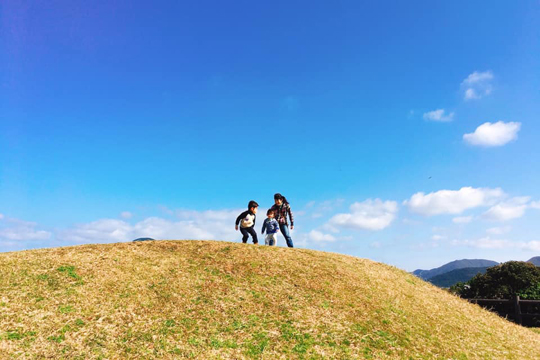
{"points": [[99, 231], [189, 224], [18, 230], [498, 230], [471, 94], [478, 77], [438, 115], [462, 220], [535, 205], [126, 215], [493, 134], [477, 85], [489, 243], [318, 236]]}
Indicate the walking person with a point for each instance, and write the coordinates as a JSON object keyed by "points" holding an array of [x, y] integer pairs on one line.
{"points": [[247, 223], [272, 227], [281, 209]]}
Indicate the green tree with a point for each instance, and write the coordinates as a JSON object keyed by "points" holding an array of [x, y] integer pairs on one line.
{"points": [[503, 281], [531, 293]]}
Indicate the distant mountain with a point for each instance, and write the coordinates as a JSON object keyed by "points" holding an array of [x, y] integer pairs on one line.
{"points": [[457, 264], [535, 260], [143, 239], [459, 275]]}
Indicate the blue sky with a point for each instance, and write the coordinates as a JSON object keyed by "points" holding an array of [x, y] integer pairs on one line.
{"points": [[403, 132]]}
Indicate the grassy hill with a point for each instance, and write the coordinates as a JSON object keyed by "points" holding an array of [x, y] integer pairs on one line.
{"points": [[211, 300]]}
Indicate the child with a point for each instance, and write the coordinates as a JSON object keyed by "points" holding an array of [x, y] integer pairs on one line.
{"points": [[272, 227], [248, 222]]}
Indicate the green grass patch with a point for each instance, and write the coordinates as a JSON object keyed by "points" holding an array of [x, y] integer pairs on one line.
{"points": [[66, 309], [69, 271], [255, 347]]}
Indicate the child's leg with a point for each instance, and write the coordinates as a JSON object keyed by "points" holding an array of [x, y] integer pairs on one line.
{"points": [[253, 233], [245, 234], [267, 239], [273, 239]]}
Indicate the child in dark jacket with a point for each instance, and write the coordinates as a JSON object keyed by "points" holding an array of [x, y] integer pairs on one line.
{"points": [[247, 222], [272, 227]]}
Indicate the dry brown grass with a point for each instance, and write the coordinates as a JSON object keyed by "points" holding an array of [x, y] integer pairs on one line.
{"points": [[210, 300]]}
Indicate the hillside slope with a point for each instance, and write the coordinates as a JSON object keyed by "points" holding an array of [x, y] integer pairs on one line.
{"points": [[208, 299]]}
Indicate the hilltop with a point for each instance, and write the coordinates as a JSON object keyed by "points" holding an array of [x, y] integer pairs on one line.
{"points": [[208, 299]]}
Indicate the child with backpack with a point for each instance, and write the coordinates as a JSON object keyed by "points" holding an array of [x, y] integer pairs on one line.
{"points": [[272, 227], [247, 222]]}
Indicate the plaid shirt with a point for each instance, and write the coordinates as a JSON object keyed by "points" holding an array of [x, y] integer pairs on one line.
{"points": [[281, 212]]}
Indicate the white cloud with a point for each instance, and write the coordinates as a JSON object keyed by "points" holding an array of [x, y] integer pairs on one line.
{"points": [[489, 243], [511, 209], [193, 225], [535, 205], [477, 77], [471, 94], [438, 115], [531, 245], [493, 134], [330, 227], [318, 236], [325, 206], [185, 229], [462, 220], [437, 237], [19, 230], [452, 201], [477, 85], [100, 231], [499, 230], [485, 243], [368, 215], [126, 215], [1, 216], [165, 210], [310, 204]]}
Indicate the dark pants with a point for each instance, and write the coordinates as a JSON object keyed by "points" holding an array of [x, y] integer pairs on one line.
{"points": [[249, 231], [284, 228]]}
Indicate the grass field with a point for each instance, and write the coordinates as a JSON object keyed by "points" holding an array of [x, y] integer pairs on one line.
{"points": [[212, 300]]}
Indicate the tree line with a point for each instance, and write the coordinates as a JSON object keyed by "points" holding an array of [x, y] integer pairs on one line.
{"points": [[504, 281]]}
